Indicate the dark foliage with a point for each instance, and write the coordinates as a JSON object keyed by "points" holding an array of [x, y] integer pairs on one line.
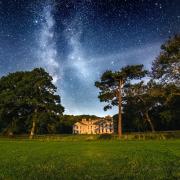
{"points": [[27, 97]]}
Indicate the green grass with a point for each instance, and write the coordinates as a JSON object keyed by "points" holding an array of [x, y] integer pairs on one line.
{"points": [[150, 159], [161, 135]]}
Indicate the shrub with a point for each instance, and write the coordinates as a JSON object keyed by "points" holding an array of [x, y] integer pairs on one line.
{"points": [[105, 136]]}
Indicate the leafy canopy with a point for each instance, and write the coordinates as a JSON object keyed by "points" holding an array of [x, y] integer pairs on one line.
{"points": [[166, 66], [21, 93], [109, 83]]}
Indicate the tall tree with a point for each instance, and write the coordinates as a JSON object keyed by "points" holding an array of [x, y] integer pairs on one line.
{"points": [[111, 87], [166, 67], [166, 71], [144, 98], [28, 94]]}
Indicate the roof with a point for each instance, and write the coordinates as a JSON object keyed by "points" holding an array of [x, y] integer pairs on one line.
{"points": [[80, 123], [94, 122]]}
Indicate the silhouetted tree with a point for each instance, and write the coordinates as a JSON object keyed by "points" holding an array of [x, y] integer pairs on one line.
{"points": [[112, 84], [25, 96], [145, 97], [166, 67]]}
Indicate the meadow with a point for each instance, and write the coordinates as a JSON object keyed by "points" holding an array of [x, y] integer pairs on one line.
{"points": [[98, 159]]}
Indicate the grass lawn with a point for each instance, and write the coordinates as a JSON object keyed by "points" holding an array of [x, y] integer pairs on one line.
{"points": [[151, 159]]}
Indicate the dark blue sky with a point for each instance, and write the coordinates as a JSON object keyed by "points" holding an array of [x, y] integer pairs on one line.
{"points": [[76, 41]]}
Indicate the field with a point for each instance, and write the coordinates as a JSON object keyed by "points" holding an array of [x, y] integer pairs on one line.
{"points": [[105, 159]]}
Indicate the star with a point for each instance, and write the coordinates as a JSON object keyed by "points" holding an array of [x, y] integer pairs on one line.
{"points": [[36, 21], [76, 41]]}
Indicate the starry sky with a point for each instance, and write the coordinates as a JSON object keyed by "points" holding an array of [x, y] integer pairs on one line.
{"points": [[77, 40]]}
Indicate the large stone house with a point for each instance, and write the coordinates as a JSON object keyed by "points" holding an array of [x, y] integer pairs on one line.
{"points": [[97, 126]]}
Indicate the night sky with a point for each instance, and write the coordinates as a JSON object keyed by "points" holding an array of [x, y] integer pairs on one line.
{"points": [[76, 41]]}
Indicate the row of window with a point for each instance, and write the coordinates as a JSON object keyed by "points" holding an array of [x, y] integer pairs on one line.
{"points": [[100, 126], [99, 131]]}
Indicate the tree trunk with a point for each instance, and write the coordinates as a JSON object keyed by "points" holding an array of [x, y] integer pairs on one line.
{"points": [[32, 130], [120, 111], [149, 121], [32, 133]]}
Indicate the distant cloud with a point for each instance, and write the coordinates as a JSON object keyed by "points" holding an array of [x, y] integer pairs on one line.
{"points": [[138, 55]]}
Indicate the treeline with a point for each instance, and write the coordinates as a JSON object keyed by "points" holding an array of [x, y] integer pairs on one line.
{"points": [[147, 100]]}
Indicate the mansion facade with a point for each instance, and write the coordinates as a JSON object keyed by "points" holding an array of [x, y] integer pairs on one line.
{"points": [[97, 126]]}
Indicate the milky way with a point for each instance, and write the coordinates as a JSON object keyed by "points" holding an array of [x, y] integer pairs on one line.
{"points": [[77, 40], [47, 53]]}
